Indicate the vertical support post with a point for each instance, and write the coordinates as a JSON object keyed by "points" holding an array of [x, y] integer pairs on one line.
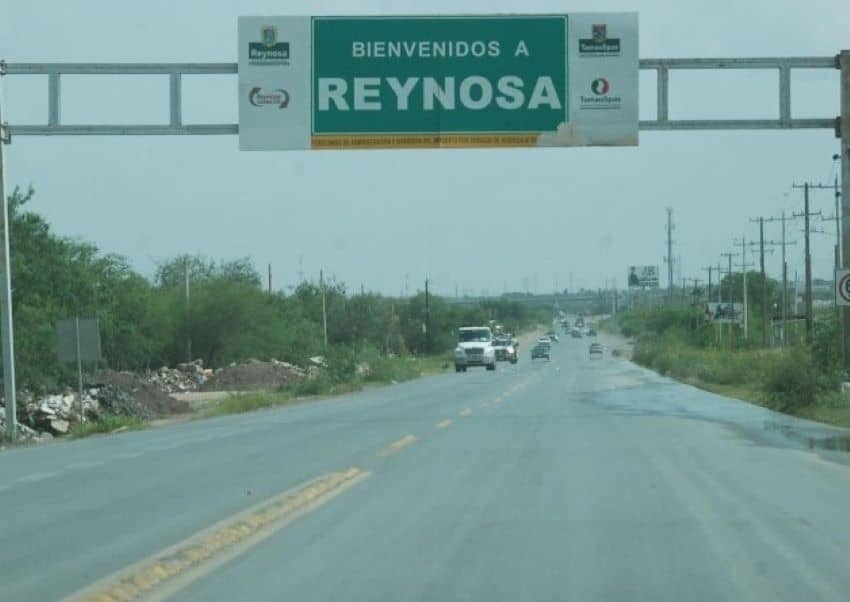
{"points": [[6, 329], [746, 299], [427, 317], [720, 302], [809, 322], [763, 284], [784, 287], [670, 256], [79, 367], [663, 93], [270, 279], [188, 309], [324, 307], [175, 99], [53, 94], [731, 301], [785, 95], [844, 130]]}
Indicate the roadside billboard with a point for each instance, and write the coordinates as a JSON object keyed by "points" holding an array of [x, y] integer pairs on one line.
{"points": [[643, 276], [725, 313], [438, 81]]}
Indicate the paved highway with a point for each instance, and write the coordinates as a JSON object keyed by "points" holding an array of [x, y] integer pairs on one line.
{"points": [[564, 480]]}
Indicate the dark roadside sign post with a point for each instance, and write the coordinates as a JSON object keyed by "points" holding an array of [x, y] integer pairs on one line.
{"points": [[78, 340]]}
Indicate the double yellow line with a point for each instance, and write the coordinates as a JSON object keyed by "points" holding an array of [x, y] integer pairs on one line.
{"points": [[164, 574]]}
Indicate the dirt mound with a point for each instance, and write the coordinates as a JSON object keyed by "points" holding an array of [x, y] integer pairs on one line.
{"points": [[130, 394], [254, 375]]}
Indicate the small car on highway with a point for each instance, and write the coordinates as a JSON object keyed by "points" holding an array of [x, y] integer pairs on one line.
{"points": [[541, 349], [505, 350], [595, 349]]}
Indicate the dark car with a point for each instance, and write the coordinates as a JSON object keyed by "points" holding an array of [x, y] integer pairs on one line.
{"points": [[595, 349], [541, 350], [591, 332]]}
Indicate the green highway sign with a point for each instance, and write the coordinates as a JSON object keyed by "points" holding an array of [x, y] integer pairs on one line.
{"points": [[438, 81]]}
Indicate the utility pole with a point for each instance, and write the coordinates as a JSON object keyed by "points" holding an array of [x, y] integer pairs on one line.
{"points": [[783, 244], [729, 257], [696, 282], [427, 317], [669, 258], [300, 268], [806, 215], [270, 279], [6, 284], [188, 309], [709, 269], [761, 245], [843, 132], [324, 307], [763, 283], [835, 218], [744, 268]]}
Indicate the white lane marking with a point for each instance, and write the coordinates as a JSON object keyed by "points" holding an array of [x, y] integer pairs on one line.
{"points": [[83, 465]]}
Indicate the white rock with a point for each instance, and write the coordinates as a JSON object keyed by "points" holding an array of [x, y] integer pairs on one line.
{"points": [[60, 426]]}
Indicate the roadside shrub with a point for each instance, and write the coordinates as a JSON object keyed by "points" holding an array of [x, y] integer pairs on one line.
{"points": [[312, 386], [341, 364], [795, 380]]}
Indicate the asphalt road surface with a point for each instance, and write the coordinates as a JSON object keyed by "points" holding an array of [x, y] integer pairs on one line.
{"points": [[573, 479]]}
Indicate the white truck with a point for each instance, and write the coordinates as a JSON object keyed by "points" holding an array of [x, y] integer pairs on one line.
{"points": [[475, 348]]}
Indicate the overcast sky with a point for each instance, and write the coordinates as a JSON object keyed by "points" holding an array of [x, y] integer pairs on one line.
{"points": [[480, 220]]}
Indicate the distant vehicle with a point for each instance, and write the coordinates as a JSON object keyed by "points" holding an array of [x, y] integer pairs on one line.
{"points": [[579, 322], [475, 348], [505, 350], [541, 349], [576, 333], [595, 349], [591, 332], [553, 336]]}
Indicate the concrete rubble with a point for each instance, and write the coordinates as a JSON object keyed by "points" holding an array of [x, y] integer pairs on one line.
{"points": [[144, 396], [188, 376]]}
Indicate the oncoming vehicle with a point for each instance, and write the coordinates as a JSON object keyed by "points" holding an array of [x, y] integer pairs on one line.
{"points": [[541, 349], [576, 333], [475, 348], [595, 349], [553, 336], [505, 350]]}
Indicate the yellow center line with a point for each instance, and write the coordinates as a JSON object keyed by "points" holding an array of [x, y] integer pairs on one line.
{"points": [[484, 404], [444, 424], [160, 576], [397, 446], [466, 412]]}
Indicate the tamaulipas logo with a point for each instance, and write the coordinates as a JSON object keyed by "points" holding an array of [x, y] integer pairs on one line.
{"points": [[601, 98], [268, 51], [599, 44], [278, 97], [600, 86]]}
